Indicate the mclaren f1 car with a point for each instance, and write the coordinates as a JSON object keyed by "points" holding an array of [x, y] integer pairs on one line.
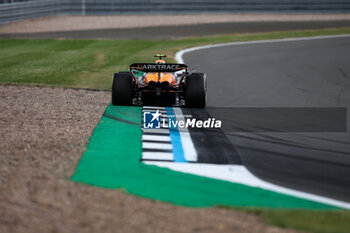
{"points": [[159, 83]]}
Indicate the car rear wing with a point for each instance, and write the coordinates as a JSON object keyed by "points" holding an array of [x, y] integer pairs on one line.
{"points": [[152, 67]]}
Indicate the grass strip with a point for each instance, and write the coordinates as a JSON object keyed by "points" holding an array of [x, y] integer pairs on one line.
{"points": [[92, 63]]}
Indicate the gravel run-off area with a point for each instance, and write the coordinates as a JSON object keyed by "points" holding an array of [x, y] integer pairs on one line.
{"points": [[44, 132]]}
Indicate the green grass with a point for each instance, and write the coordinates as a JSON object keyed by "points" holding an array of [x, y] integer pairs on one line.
{"points": [[337, 221], [91, 63]]}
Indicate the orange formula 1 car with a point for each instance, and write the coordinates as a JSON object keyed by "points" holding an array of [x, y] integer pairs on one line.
{"points": [[159, 83]]}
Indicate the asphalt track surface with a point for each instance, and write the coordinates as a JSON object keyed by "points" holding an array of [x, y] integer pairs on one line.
{"points": [[309, 73], [167, 32]]}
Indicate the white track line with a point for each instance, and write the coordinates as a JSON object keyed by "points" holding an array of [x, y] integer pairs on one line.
{"points": [[240, 172], [179, 54]]}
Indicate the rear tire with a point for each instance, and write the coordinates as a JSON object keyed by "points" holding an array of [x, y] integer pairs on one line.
{"points": [[122, 91], [195, 90]]}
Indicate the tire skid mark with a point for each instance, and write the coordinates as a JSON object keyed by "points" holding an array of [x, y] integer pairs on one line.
{"points": [[120, 119]]}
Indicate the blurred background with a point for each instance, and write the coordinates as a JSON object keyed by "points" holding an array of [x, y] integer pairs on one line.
{"points": [[12, 10]]}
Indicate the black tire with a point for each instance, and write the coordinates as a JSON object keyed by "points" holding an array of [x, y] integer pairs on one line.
{"points": [[195, 90], [122, 91]]}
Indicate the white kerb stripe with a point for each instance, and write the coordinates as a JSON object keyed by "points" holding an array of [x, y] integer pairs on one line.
{"points": [[153, 108], [158, 156], [160, 131], [154, 145], [156, 138]]}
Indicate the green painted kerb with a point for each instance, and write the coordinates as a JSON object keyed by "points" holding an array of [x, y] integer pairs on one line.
{"points": [[112, 160]]}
